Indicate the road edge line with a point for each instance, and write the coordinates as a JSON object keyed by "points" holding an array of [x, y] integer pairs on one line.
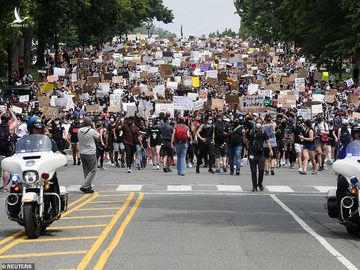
{"points": [[314, 234]]}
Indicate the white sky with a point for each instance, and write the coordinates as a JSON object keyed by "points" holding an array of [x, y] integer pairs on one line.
{"points": [[200, 17]]}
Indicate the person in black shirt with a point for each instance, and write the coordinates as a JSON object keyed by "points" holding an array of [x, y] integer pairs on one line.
{"points": [[235, 145], [298, 131], [110, 140], [220, 144], [155, 143], [57, 134], [205, 135], [257, 137], [74, 140]]}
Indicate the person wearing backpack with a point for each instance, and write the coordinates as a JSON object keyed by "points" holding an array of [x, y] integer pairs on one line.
{"points": [[257, 138], [179, 141]]}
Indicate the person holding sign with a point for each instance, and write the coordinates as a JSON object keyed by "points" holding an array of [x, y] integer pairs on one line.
{"points": [[257, 139]]}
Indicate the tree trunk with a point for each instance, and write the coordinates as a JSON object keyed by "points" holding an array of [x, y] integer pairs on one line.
{"points": [[28, 35], [9, 63], [340, 68], [40, 52]]}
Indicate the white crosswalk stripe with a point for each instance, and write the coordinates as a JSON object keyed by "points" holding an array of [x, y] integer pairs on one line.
{"points": [[179, 188], [129, 188], [324, 189], [73, 188], [229, 188], [279, 189]]}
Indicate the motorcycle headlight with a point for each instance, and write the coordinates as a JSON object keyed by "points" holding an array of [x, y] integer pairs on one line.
{"points": [[30, 177]]}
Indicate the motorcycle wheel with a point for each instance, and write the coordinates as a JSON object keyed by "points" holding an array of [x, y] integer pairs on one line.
{"points": [[352, 229], [32, 222]]}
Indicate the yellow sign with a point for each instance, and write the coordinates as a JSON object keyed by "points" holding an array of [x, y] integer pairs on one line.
{"points": [[47, 87], [325, 76], [196, 81]]}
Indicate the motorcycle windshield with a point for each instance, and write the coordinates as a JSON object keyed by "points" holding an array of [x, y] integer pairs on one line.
{"points": [[353, 149], [33, 143]]}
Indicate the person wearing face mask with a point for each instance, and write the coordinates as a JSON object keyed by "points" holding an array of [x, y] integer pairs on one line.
{"points": [[131, 139], [74, 140], [344, 135], [205, 136], [58, 134], [111, 141], [269, 128], [235, 145], [331, 144], [321, 129], [309, 147], [257, 138], [100, 144], [298, 143]]}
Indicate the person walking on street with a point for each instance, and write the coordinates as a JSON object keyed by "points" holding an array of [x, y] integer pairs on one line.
{"points": [[269, 128], [205, 135], [87, 140], [131, 139], [166, 131], [235, 147], [257, 138], [179, 140]]}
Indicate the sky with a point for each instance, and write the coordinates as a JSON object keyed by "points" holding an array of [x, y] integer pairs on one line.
{"points": [[201, 17]]}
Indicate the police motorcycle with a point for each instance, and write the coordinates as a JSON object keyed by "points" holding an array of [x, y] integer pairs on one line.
{"points": [[343, 203], [35, 201]]}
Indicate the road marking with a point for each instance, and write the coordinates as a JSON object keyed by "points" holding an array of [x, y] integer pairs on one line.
{"points": [[112, 195], [99, 241], [107, 201], [76, 227], [229, 188], [14, 235], [324, 189], [98, 209], [179, 188], [42, 254], [129, 188], [279, 189], [86, 217], [59, 239], [115, 241], [314, 234]]}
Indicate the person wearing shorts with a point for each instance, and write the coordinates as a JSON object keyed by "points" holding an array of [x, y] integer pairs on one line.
{"points": [[298, 145], [155, 144], [74, 140], [309, 147]]}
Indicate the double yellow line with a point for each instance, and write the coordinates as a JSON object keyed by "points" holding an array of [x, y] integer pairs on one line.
{"points": [[89, 254]]}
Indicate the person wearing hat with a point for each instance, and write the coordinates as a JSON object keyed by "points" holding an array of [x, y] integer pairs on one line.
{"points": [[88, 136]]}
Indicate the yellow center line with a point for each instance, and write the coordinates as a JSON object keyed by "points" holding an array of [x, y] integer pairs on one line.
{"points": [[76, 227], [98, 209], [113, 195], [42, 254], [122, 201], [19, 240], [84, 217], [92, 251], [16, 234], [60, 239], [115, 241]]}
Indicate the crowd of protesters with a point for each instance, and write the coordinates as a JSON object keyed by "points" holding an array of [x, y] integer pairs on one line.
{"points": [[218, 139]]}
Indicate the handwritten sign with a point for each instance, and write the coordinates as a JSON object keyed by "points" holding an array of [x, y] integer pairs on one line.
{"points": [[93, 108], [115, 100], [24, 98], [50, 112], [164, 108], [253, 103], [182, 103], [198, 105], [316, 109]]}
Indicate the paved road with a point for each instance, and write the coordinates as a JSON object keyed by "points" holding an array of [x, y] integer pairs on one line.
{"points": [[152, 220]]}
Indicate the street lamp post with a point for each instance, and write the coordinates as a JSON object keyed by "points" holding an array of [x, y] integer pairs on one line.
{"points": [[149, 24]]}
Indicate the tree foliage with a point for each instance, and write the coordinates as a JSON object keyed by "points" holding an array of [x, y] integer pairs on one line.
{"points": [[323, 29]]}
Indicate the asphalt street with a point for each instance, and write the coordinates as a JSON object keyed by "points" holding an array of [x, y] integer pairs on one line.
{"points": [[152, 220]]}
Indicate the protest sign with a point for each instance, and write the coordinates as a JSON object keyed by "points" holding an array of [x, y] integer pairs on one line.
{"points": [[318, 97], [265, 93], [232, 100], [302, 73], [329, 98], [115, 100], [193, 96], [325, 76], [217, 104], [60, 102], [136, 91], [316, 109], [355, 116], [212, 81], [93, 79], [50, 112], [17, 110], [252, 103], [47, 87], [59, 71], [117, 79], [318, 76], [196, 81], [73, 77], [182, 103], [43, 101], [130, 110], [113, 109], [212, 74], [253, 89], [222, 76], [172, 85], [166, 70], [203, 94], [349, 82], [287, 100], [52, 78], [92, 108], [198, 105], [305, 113], [164, 108], [24, 98], [104, 87], [353, 99]]}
